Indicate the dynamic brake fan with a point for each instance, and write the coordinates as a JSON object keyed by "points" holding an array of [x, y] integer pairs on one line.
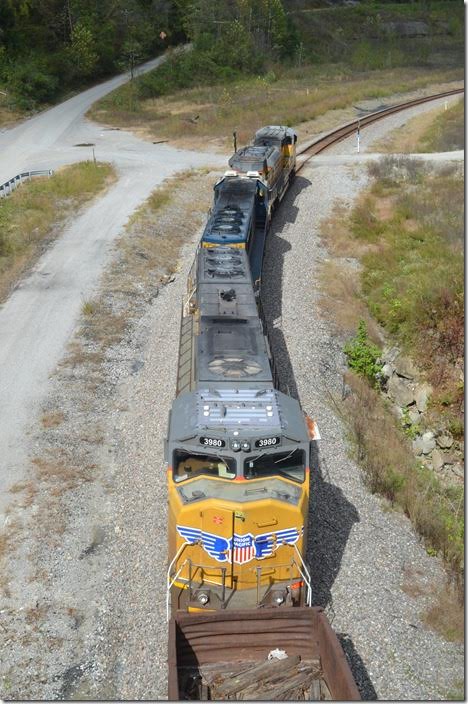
{"points": [[234, 367]]}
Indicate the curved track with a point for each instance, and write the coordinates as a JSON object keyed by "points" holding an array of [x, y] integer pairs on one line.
{"points": [[350, 128]]}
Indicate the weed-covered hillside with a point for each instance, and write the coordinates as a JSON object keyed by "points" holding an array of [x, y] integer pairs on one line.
{"points": [[376, 35]]}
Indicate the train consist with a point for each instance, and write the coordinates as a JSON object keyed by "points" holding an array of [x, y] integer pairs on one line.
{"points": [[237, 449]]}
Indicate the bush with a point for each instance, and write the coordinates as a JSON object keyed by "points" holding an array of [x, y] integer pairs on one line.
{"points": [[33, 84], [184, 71], [362, 355]]}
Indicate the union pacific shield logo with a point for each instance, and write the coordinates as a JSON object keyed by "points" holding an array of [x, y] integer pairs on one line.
{"points": [[242, 548]]}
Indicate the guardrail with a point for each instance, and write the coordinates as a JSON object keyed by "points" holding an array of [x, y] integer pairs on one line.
{"points": [[11, 185]]}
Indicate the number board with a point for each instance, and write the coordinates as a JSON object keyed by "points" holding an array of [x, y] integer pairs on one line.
{"points": [[267, 442], [212, 442]]}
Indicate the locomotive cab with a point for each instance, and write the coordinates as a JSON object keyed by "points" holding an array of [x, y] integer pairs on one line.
{"points": [[238, 482]]}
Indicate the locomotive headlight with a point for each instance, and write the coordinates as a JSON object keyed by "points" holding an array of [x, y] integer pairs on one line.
{"points": [[279, 599], [235, 445], [203, 598], [245, 446]]}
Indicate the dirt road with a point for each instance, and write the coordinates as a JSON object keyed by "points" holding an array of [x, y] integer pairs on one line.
{"points": [[38, 318]]}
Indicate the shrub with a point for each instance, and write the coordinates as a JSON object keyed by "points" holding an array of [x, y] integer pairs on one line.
{"points": [[362, 355], [33, 84]]}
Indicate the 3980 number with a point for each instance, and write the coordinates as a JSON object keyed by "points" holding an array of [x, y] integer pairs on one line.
{"points": [[212, 442], [267, 442]]}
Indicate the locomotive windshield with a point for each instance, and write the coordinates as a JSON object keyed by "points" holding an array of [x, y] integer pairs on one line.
{"points": [[188, 465], [286, 464]]}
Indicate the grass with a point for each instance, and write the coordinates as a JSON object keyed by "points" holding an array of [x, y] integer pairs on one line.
{"points": [[294, 96], [447, 131], [446, 614], [407, 234], [436, 509], [412, 277], [438, 130], [397, 262], [32, 216], [52, 419]]}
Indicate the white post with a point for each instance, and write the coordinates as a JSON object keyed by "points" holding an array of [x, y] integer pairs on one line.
{"points": [[446, 104], [358, 135]]}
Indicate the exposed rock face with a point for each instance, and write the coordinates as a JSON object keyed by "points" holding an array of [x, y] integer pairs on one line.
{"points": [[444, 441], [421, 396], [424, 444], [458, 470], [399, 377], [390, 354], [386, 371], [413, 415], [405, 367], [411, 28], [437, 460], [400, 392]]}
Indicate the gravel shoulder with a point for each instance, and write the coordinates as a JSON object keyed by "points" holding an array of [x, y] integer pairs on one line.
{"points": [[84, 611]]}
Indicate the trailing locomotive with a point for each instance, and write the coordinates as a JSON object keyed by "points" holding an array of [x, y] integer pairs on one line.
{"points": [[272, 158], [246, 196]]}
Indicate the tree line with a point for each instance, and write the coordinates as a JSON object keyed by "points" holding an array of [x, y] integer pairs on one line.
{"points": [[51, 47]]}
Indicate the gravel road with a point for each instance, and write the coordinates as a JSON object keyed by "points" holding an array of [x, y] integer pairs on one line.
{"points": [[30, 144], [38, 318], [111, 561]]}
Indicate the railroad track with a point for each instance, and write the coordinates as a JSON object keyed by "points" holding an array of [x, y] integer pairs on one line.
{"points": [[350, 128]]}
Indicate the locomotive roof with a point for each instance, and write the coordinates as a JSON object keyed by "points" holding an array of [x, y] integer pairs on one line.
{"points": [[223, 265], [273, 132], [249, 411], [233, 210], [253, 158], [224, 287], [232, 350]]}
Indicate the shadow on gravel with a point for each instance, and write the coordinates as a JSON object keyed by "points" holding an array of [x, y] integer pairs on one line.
{"points": [[331, 515], [331, 518], [360, 674], [272, 285]]}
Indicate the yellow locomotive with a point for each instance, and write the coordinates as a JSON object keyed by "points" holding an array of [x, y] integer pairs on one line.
{"points": [[237, 452]]}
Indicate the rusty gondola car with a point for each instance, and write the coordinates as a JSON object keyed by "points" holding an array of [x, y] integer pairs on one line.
{"points": [[225, 654]]}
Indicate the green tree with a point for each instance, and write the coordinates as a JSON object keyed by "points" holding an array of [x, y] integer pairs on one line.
{"points": [[82, 50]]}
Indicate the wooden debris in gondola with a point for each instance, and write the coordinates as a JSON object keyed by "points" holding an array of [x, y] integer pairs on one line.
{"points": [[288, 679]]}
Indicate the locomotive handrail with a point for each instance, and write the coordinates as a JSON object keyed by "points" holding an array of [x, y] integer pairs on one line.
{"points": [[13, 183], [169, 582], [305, 574]]}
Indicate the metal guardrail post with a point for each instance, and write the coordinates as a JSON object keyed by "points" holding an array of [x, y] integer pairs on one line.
{"points": [[12, 184]]}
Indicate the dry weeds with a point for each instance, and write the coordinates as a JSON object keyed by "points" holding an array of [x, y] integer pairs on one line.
{"points": [[52, 419], [312, 99], [33, 216], [446, 615], [405, 139]]}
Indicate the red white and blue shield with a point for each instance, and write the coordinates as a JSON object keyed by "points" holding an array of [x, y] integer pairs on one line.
{"points": [[242, 549]]}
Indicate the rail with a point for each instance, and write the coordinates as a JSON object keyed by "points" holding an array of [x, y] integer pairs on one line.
{"points": [[13, 183], [350, 128]]}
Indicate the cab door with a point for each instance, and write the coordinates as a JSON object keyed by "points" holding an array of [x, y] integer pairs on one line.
{"points": [[218, 530]]}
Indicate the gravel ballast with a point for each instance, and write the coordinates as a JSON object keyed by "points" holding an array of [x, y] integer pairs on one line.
{"points": [[112, 560]]}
